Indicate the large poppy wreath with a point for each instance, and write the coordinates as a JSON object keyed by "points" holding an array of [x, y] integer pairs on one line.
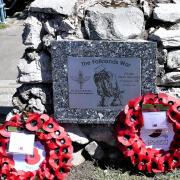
{"points": [[128, 130], [53, 140]]}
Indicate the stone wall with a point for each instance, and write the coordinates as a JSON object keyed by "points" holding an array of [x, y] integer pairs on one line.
{"points": [[157, 20]]}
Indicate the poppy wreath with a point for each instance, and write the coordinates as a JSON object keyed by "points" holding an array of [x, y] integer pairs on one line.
{"points": [[128, 125], [50, 134]]}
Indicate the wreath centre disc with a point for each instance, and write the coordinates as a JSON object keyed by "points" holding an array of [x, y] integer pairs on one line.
{"points": [[157, 138], [30, 162]]}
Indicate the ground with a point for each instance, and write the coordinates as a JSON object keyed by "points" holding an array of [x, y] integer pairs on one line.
{"points": [[11, 50], [124, 171]]}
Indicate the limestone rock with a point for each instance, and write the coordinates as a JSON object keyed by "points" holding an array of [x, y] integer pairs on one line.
{"points": [[36, 105], [49, 27], [67, 26], [32, 32], [35, 71], [168, 38], [176, 1], [145, 8], [159, 74], [163, 1], [167, 12], [94, 150], [47, 39], [65, 7], [76, 134], [114, 23], [18, 103], [171, 91], [31, 56], [173, 61], [78, 158], [59, 24], [171, 79], [23, 98]]}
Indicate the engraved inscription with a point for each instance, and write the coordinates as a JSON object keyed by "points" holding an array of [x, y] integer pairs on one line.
{"points": [[97, 82]]}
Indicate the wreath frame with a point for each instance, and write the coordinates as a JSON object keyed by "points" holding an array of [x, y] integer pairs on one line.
{"points": [[128, 125], [57, 145]]}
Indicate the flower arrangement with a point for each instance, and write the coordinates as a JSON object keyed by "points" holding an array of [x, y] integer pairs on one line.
{"points": [[57, 145], [128, 128]]}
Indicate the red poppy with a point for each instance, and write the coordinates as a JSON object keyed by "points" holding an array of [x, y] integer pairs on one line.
{"points": [[61, 172], [135, 103], [16, 118], [54, 161], [66, 159], [4, 128], [46, 172], [158, 164], [64, 141], [134, 119], [50, 125], [33, 122], [44, 135], [144, 162], [174, 112], [58, 133], [52, 144], [166, 99], [26, 175], [66, 149], [150, 98], [4, 172], [44, 117], [126, 137], [7, 163]]}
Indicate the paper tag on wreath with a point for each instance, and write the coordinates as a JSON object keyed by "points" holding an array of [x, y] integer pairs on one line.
{"points": [[154, 116], [30, 163], [158, 138], [155, 120], [21, 143]]}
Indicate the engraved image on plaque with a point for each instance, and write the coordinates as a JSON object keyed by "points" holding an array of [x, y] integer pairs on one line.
{"points": [[100, 82]]}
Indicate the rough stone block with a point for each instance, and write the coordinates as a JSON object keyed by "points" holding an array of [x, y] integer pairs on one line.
{"points": [[23, 98], [114, 23], [32, 32], [171, 79], [168, 38], [76, 134], [65, 7], [167, 12], [94, 150], [78, 158], [35, 71], [173, 60]]}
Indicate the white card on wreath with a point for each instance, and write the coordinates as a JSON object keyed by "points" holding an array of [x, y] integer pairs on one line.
{"points": [[155, 120], [21, 143]]}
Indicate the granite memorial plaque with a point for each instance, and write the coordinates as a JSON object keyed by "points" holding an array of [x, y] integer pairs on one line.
{"points": [[94, 80]]}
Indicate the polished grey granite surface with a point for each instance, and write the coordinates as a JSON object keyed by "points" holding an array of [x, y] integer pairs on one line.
{"points": [[66, 55]]}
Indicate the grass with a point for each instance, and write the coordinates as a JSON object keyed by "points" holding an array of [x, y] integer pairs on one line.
{"points": [[112, 174], [3, 26], [92, 171]]}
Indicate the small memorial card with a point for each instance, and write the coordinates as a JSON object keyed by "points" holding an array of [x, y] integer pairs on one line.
{"points": [[21, 143], [155, 120]]}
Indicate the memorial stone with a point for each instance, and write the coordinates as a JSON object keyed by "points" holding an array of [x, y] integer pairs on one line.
{"points": [[93, 80]]}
